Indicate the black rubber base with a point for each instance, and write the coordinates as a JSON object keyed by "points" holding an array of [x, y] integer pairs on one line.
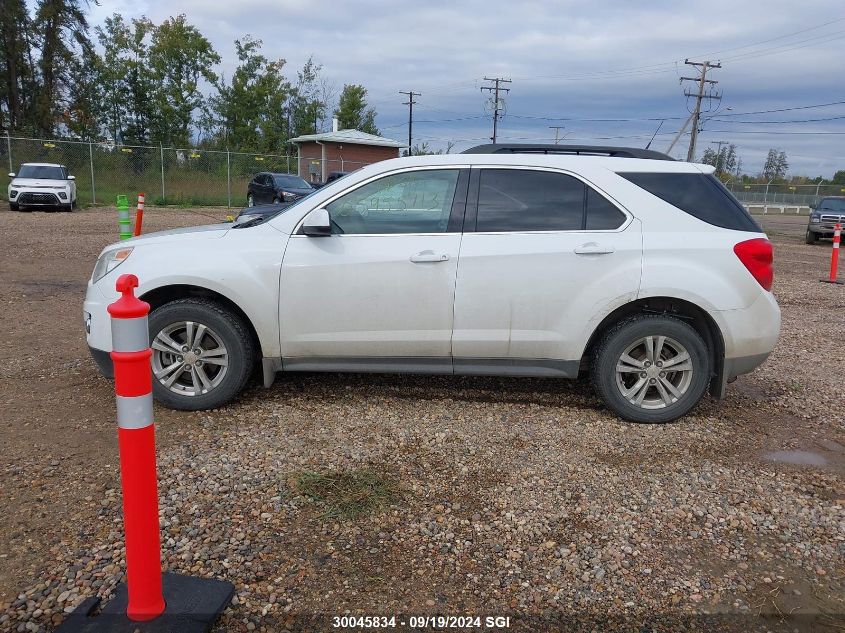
{"points": [[828, 281], [193, 605]]}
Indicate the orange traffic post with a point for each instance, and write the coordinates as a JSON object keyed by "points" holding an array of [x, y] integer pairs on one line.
{"points": [[160, 602], [139, 214], [834, 256]]}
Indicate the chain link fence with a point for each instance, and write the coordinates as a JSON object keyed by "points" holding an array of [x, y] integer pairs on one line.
{"points": [[167, 175], [783, 194], [199, 177]]}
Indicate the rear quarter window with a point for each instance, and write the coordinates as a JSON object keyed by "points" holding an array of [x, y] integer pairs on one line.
{"points": [[700, 195]]}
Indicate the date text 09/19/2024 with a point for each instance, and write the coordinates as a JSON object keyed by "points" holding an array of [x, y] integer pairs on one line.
{"points": [[435, 622]]}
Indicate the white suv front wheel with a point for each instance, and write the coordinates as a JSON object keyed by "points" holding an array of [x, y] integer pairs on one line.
{"points": [[651, 368], [202, 354]]}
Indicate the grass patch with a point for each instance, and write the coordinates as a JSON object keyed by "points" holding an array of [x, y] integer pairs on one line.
{"points": [[347, 495]]}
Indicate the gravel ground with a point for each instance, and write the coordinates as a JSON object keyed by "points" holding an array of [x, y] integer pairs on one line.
{"points": [[518, 497]]}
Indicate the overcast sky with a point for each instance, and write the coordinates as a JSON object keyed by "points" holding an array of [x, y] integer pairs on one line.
{"points": [[571, 64]]}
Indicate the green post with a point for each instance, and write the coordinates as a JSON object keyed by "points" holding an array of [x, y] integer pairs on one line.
{"points": [[123, 219]]}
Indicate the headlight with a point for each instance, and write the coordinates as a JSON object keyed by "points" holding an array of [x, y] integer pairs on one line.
{"points": [[287, 195], [109, 261], [815, 217]]}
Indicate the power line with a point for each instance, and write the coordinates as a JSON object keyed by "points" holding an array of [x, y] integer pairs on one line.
{"points": [[668, 66], [495, 89], [696, 115], [557, 129], [410, 103], [830, 118]]}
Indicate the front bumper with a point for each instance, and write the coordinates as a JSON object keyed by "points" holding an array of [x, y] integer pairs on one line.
{"points": [[822, 228], [38, 199]]}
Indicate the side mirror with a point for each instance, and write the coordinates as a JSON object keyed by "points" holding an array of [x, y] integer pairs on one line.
{"points": [[71, 177], [11, 174], [812, 205], [317, 224]]}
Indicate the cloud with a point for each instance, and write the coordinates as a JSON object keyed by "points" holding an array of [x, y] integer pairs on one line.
{"points": [[568, 60]]}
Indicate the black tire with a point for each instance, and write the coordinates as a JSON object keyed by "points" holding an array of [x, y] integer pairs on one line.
{"points": [[620, 337], [233, 333], [276, 201], [13, 206], [811, 237]]}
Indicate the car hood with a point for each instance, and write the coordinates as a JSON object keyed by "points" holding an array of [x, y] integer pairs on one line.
{"points": [[204, 232], [38, 182], [297, 190]]}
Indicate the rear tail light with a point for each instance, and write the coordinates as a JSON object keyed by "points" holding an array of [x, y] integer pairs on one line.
{"points": [[756, 255]]}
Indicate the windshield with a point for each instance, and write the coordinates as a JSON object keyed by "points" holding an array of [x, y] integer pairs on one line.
{"points": [[291, 182], [41, 171], [832, 204]]}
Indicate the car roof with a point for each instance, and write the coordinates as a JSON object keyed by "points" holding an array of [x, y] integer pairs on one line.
{"points": [[42, 164], [557, 161]]}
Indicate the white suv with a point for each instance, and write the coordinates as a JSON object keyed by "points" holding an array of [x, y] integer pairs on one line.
{"points": [[504, 260], [42, 185]]}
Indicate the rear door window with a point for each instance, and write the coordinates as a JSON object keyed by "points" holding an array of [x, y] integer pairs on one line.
{"points": [[700, 195], [524, 200], [521, 200]]}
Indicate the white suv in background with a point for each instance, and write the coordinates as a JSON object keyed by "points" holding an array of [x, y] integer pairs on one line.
{"points": [[504, 260], [42, 185]]}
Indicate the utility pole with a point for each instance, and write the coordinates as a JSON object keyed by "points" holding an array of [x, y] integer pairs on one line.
{"points": [[557, 129], [410, 103], [718, 164], [496, 89], [696, 114]]}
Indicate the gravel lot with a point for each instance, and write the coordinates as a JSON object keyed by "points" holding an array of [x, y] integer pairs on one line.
{"points": [[518, 497]]}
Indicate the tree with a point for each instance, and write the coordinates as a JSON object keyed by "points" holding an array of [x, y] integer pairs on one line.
{"points": [[84, 109], [126, 79], [776, 165], [179, 57], [63, 31], [424, 149], [839, 177], [306, 107], [17, 86], [352, 112], [725, 160], [251, 108]]}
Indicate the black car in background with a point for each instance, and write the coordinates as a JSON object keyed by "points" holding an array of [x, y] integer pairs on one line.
{"points": [[333, 175], [272, 188]]}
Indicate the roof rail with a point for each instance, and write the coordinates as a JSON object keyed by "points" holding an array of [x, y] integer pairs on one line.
{"points": [[579, 150]]}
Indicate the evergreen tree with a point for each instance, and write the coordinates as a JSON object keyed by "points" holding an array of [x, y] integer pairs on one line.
{"points": [[62, 28]]}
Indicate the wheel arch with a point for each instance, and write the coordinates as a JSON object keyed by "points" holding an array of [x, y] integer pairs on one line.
{"points": [[682, 309], [157, 297]]}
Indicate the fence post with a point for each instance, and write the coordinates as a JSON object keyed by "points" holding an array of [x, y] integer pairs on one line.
{"points": [[228, 181], [9, 148], [161, 149], [91, 162]]}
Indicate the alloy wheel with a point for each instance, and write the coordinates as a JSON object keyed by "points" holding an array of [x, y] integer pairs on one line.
{"points": [[654, 372], [189, 358]]}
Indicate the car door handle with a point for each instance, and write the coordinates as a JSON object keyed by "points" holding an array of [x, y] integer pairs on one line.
{"points": [[593, 248], [429, 257]]}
